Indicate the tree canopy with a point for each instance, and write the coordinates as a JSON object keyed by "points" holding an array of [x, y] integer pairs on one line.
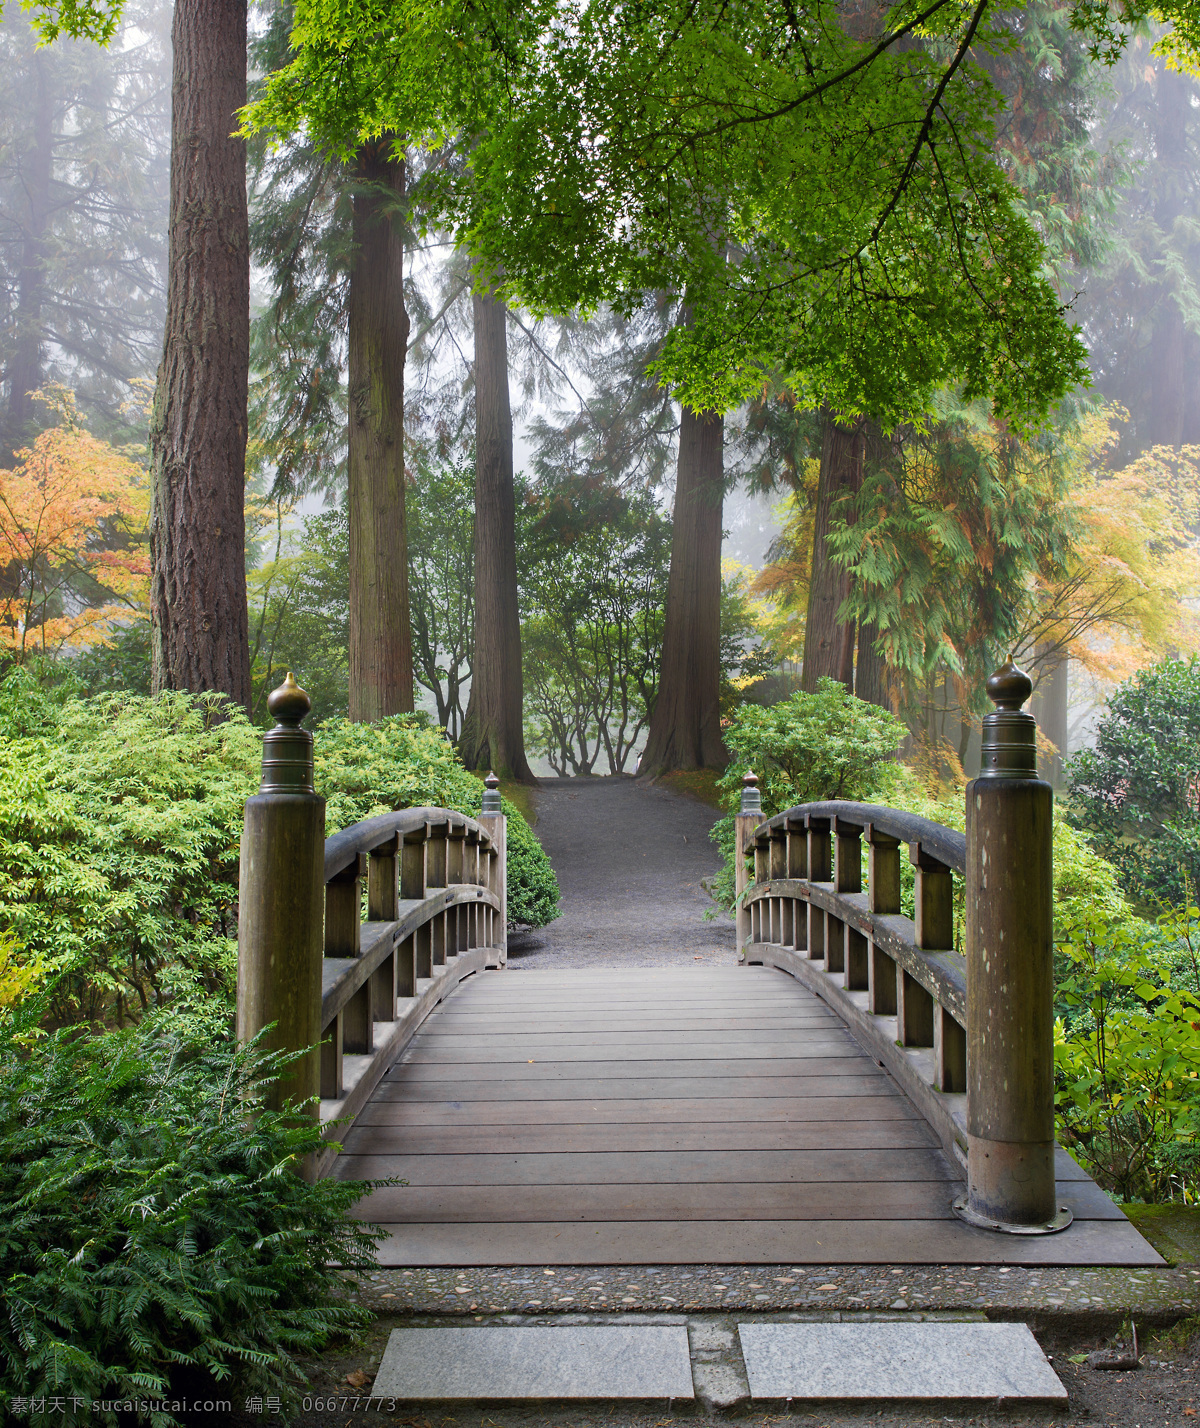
{"points": [[820, 180]]}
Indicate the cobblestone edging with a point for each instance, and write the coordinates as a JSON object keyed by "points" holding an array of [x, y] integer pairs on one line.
{"points": [[1157, 1295]]}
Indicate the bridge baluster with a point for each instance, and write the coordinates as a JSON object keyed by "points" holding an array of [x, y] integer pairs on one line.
{"points": [[343, 910], [778, 855], [435, 855], [819, 871], [406, 967], [883, 871], [949, 1052], [934, 896], [883, 896], [383, 881], [847, 878], [847, 857], [797, 867], [914, 1010], [412, 866]]}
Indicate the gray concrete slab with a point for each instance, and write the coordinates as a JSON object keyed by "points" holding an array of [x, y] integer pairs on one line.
{"points": [[577, 1361], [891, 1361]]}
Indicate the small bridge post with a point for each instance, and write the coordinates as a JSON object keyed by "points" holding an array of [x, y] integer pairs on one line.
{"points": [[1010, 976], [493, 821], [281, 889], [749, 816]]}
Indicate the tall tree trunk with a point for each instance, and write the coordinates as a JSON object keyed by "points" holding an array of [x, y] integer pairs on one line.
{"points": [[1169, 405], [493, 734], [200, 632], [24, 372], [1051, 709], [381, 667], [685, 727], [870, 672], [828, 643]]}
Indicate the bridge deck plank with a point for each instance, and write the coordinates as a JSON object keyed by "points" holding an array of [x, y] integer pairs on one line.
{"points": [[669, 1115], [651, 1110]]}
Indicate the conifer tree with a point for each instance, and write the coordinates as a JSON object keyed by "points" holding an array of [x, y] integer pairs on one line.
{"points": [[1140, 305], [83, 215], [200, 631]]}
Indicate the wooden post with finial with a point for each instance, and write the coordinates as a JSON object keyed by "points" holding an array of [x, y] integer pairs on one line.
{"points": [[280, 901], [492, 819], [749, 816], [1010, 980]]}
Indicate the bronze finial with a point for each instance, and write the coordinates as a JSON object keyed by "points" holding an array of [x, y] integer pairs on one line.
{"points": [[491, 796], [1010, 686], [289, 703], [287, 748], [1009, 737], [751, 799]]}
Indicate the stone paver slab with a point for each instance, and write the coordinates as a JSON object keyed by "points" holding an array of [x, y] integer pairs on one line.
{"points": [[897, 1361], [571, 1361]]}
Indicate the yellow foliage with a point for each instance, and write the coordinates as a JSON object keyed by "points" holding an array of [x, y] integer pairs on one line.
{"points": [[783, 583], [1123, 598], [74, 513], [17, 979]]}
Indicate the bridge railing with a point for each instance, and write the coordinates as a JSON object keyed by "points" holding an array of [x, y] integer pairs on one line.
{"points": [[967, 1034], [904, 981], [346, 944]]}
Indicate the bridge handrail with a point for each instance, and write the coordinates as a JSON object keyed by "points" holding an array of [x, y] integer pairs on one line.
{"points": [[898, 982], [970, 1038], [340, 848], [946, 844], [344, 993], [434, 904]]}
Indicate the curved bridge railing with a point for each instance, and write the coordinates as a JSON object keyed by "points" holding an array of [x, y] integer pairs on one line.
{"points": [[964, 1023], [346, 944], [434, 905], [898, 981]]}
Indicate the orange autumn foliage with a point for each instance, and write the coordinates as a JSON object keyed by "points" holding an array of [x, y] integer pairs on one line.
{"points": [[74, 558]]}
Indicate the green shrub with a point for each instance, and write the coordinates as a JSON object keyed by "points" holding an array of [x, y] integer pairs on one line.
{"points": [[1127, 1056], [156, 1241], [121, 817], [402, 762], [805, 749], [1136, 793]]}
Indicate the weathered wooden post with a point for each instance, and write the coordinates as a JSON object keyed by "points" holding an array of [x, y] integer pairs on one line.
{"points": [[492, 819], [1010, 991], [749, 816], [280, 912]]}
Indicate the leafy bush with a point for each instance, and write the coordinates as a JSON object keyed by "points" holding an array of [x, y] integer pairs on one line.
{"points": [[811, 747], [401, 762], [1127, 1057], [1085, 884], [120, 820], [838, 748], [19, 976], [156, 1240], [1137, 793]]}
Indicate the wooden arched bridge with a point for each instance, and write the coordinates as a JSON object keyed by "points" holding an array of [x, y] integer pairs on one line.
{"points": [[866, 1087]]}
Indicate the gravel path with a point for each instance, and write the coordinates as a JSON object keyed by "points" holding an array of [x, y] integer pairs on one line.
{"points": [[630, 859]]}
